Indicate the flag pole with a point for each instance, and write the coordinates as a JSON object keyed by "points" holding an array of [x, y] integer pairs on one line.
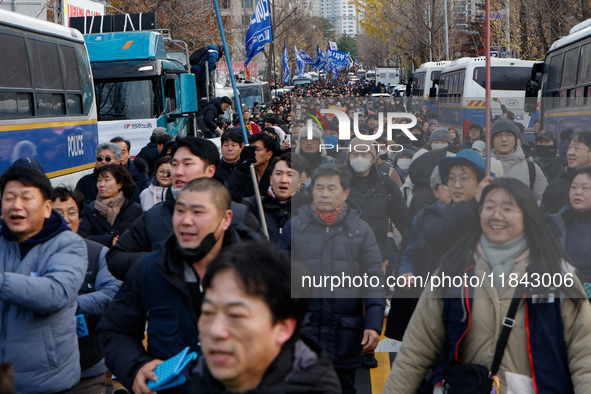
{"points": [[487, 87], [253, 174]]}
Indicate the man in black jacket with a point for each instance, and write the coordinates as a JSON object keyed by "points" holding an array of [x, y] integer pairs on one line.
{"points": [[277, 201], [474, 134], [207, 116], [150, 153], [263, 351], [164, 287], [191, 158], [578, 155], [232, 145], [547, 156]]}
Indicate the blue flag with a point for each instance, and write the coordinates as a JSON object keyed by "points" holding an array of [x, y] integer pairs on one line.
{"points": [[318, 60], [349, 60], [333, 71], [299, 62], [286, 72], [307, 59], [259, 31], [338, 58]]}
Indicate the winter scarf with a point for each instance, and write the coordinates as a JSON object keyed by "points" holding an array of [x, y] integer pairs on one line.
{"points": [[110, 207], [329, 218], [501, 256]]}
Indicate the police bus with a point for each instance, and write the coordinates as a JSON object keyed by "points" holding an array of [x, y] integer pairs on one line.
{"points": [[564, 83], [461, 96], [425, 79], [47, 102]]}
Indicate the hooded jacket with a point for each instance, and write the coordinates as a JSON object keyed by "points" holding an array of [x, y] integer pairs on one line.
{"points": [[347, 247], [380, 201], [301, 367], [155, 292], [419, 172], [39, 283], [153, 228], [433, 322], [556, 194], [208, 115], [515, 166]]}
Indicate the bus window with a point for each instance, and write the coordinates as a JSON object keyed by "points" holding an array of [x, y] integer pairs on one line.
{"points": [[72, 76], [554, 72], [585, 65], [14, 67], [503, 78], [569, 74], [48, 75]]}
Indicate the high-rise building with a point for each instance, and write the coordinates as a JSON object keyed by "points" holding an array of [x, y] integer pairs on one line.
{"points": [[341, 13]]}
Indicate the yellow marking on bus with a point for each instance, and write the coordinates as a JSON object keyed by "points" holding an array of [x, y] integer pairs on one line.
{"points": [[127, 45], [70, 170], [44, 125]]}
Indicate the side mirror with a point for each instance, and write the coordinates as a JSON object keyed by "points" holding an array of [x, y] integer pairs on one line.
{"points": [[532, 87]]}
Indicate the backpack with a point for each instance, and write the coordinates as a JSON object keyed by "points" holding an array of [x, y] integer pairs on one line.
{"points": [[532, 173]]}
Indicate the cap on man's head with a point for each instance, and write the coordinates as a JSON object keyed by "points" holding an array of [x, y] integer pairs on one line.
{"points": [[29, 162], [364, 146], [479, 146], [158, 131], [466, 157], [419, 127], [475, 125], [440, 134], [433, 121], [365, 127], [546, 135], [504, 125]]}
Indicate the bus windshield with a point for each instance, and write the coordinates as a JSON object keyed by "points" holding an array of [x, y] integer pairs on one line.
{"points": [[120, 100], [251, 94], [503, 78]]}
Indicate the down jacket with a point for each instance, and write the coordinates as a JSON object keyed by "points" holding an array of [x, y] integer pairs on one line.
{"points": [[515, 166], [38, 307], [347, 247], [426, 338]]}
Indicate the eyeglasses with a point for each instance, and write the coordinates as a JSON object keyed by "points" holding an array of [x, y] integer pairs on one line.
{"points": [[464, 180], [488, 210], [164, 173], [505, 135], [106, 159], [70, 214]]}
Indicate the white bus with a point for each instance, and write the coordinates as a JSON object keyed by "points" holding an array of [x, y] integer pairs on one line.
{"points": [[461, 96], [424, 78], [47, 101]]}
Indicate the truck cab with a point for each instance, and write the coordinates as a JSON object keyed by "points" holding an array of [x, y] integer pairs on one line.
{"points": [[140, 86]]}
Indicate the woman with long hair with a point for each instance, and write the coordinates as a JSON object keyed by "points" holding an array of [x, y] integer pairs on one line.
{"points": [[508, 245], [113, 212]]}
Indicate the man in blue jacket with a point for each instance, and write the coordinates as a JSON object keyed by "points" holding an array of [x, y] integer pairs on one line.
{"points": [[211, 54], [331, 239], [42, 266]]}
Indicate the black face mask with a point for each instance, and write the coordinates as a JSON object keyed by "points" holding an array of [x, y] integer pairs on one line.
{"points": [[193, 255], [546, 151], [402, 139]]}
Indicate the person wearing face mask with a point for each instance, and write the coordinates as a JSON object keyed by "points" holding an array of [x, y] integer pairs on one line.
{"points": [[419, 134], [163, 288], [401, 162], [440, 138], [547, 155]]}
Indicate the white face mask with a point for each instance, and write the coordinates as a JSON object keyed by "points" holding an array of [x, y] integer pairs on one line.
{"points": [[360, 164], [403, 164], [438, 145]]}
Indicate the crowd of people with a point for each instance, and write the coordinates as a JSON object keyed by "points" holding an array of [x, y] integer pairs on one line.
{"points": [[169, 251]]}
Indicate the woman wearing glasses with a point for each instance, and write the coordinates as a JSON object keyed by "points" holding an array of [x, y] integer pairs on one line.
{"points": [[106, 153], [113, 212], [156, 192], [507, 245]]}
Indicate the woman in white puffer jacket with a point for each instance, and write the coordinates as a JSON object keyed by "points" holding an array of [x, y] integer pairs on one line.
{"points": [[156, 192]]}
